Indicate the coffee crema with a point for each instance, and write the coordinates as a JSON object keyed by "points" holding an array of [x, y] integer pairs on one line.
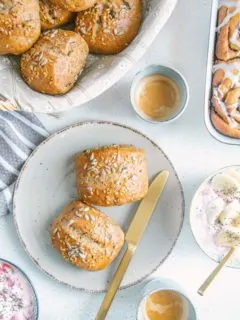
{"points": [[157, 97], [163, 305]]}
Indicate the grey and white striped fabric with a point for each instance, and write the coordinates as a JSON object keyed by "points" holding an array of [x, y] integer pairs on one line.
{"points": [[20, 133]]}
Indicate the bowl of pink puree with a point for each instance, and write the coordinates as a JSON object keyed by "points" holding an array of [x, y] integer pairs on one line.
{"points": [[18, 300]]}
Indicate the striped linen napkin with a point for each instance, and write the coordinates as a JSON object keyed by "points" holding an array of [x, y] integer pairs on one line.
{"points": [[20, 133]]}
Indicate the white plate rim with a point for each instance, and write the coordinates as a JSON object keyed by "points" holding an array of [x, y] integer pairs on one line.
{"points": [[191, 214], [24, 167]]}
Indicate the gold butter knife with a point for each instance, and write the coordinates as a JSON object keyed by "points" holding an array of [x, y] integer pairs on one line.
{"points": [[132, 238]]}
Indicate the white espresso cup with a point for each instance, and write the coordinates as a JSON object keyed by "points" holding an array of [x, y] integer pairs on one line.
{"points": [[165, 285]]}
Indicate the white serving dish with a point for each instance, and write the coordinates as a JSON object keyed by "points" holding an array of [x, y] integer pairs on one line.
{"points": [[99, 75], [47, 183], [208, 90]]}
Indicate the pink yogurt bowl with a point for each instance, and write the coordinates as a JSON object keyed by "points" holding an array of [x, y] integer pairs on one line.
{"points": [[18, 300]]}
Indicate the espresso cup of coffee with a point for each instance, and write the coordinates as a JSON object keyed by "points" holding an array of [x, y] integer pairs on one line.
{"points": [[164, 300], [159, 94]]}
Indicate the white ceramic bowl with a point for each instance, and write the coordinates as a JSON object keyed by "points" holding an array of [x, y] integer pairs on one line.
{"points": [[200, 229], [99, 75], [172, 74], [161, 284], [29, 286]]}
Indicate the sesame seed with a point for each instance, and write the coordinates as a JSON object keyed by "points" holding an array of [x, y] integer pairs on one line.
{"points": [[92, 218], [86, 216], [83, 30], [80, 209], [71, 222], [79, 215], [82, 255]]}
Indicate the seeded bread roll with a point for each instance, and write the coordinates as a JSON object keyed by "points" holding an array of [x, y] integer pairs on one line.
{"points": [[110, 26], [52, 15], [74, 5], [112, 175], [86, 237], [54, 63], [19, 25]]}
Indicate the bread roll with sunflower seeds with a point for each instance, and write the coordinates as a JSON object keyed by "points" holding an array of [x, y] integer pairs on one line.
{"points": [[86, 237], [19, 25], [111, 25], [112, 175], [54, 63], [74, 5], [52, 15]]}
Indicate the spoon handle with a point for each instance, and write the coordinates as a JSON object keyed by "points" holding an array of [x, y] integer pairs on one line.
{"points": [[215, 272]]}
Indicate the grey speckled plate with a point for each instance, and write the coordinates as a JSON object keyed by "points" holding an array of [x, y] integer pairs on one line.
{"points": [[99, 75], [46, 184]]}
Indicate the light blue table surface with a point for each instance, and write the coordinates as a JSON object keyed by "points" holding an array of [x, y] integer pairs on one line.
{"points": [[182, 44]]}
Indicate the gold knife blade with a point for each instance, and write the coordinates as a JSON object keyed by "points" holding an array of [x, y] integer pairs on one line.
{"points": [[145, 209], [133, 236]]}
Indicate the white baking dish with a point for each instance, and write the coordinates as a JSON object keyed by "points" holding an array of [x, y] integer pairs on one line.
{"points": [[212, 39]]}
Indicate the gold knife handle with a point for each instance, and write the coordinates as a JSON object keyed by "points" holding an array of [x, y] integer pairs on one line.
{"points": [[115, 283]]}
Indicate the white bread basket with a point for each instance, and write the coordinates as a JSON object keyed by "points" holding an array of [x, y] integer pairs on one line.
{"points": [[99, 75]]}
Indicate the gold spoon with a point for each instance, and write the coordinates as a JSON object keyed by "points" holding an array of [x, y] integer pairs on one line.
{"points": [[216, 271]]}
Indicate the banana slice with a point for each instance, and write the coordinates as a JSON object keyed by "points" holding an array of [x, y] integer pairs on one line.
{"points": [[225, 184], [228, 239], [214, 210], [230, 213], [234, 173], [236, 222]]}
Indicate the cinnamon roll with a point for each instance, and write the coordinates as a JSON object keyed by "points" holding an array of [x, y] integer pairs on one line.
{"points": [[225, 112], [228, 38]]}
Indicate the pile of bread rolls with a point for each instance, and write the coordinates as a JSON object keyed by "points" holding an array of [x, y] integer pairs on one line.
{"points": [[52, 61], [108, 176]]}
